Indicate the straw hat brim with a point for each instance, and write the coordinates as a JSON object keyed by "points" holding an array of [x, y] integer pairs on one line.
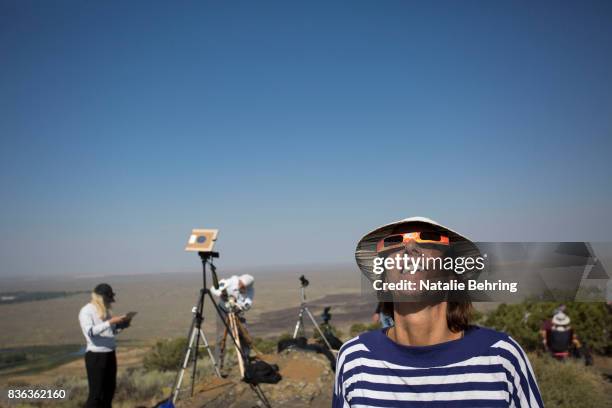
{"points": [[561, 320], [366, 247]]}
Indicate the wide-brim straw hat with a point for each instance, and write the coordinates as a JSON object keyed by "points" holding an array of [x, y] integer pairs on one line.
{"points": [[366, 248]]}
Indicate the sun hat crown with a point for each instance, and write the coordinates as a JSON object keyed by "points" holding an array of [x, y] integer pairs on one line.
{"points": [[366, 247], [561, 319]]}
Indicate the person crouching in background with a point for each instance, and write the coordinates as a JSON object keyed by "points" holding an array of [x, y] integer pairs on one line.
{"points": [[99, 328]]}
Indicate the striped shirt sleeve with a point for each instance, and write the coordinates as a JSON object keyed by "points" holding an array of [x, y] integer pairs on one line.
{"points": [[339, 397], [525, 388]]}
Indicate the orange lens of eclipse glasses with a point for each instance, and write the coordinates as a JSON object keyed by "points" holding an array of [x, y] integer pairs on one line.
{"points": [[398, 240]]}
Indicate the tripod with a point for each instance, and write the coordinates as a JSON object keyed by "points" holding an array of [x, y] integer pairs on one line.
{"points": [[238, 332], [196, 335], [299, 325]]}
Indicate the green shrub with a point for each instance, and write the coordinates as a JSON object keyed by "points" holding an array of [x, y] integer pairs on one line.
{"points": [[285, 336], [140, 386], [477, 317], [266, 346], [76, 390], [10, 358], [166, 355], [358, 328], [591, 321], [569, 384], [134, 387]]}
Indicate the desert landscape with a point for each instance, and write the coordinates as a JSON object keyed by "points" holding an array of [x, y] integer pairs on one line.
{"points": [[49, 333], [164, 303], [41, 343]]}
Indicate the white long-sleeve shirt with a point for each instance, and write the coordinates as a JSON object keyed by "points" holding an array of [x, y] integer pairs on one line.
{"points": [[232, 286], [100, 334]]}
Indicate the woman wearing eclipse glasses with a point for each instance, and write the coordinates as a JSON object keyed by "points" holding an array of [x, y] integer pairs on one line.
{"points": [[432, 356]]}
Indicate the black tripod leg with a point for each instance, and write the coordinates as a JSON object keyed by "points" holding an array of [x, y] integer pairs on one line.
{"points": [[196, 347], [257, 390]]}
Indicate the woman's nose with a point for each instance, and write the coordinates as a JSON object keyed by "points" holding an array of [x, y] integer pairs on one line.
{"points": [[412, 249]]}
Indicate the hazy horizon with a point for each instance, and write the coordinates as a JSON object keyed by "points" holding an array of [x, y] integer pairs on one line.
{"points": [[12, 283]]}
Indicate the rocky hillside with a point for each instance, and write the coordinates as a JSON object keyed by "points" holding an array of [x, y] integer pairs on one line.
{"points": [[307, 382]]}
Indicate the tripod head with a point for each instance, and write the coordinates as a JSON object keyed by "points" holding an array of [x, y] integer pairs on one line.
{"points": [[303, 283], [208, 255], [207, 259]]}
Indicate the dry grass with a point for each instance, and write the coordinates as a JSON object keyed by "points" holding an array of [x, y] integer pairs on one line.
{"points": [[570, 384]]}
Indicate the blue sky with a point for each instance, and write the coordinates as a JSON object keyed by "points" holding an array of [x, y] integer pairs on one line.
{"points": [[295, 128]]}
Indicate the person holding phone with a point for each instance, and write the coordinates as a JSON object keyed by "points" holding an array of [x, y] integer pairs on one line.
{"points": [[99, 328]]}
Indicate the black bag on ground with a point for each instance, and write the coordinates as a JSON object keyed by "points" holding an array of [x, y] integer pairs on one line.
{"points": [[333, 341], [301, 343], [258, 371]]}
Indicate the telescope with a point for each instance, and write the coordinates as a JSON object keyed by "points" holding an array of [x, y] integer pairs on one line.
{"points": [[299, 325]]}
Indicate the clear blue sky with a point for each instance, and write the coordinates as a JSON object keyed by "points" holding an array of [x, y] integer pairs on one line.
{"points": [[295, 128]]}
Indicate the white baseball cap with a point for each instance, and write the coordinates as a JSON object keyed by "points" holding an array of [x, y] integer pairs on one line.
{"points": [[247, 280]]}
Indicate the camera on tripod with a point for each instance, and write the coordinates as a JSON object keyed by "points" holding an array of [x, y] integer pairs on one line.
{"points": [[304, 281], [326, 315]]}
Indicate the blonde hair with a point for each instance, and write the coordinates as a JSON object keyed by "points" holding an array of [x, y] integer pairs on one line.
{"points": [[103, 309]]}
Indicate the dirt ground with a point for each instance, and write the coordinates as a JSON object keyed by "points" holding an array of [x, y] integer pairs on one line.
{"points": [[307, 383]]}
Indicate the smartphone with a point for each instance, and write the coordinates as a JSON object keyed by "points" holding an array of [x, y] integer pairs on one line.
{"points": [[130, 315]]}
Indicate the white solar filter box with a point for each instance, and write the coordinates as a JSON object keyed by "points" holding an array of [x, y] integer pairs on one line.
{"points": [[201, 240]]}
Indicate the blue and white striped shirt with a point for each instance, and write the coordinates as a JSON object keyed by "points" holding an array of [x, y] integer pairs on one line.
{"points": [[485, 368]]}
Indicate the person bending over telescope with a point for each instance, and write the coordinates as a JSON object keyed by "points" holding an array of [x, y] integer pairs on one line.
{"points": [[99, 328], [235, 295], [239, 288], [432, 356]]}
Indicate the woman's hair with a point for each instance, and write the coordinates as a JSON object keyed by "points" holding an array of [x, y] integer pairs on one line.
{"points": [[458, 314], [102, 308]]}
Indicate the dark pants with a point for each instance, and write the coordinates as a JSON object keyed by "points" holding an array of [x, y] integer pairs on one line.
{"points": [[101, 377]]}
